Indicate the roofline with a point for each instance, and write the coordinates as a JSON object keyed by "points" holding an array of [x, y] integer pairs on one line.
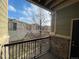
{"points": [[39, 5]]}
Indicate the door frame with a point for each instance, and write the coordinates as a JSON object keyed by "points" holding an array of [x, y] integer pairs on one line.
{"points": [[71, 35]]}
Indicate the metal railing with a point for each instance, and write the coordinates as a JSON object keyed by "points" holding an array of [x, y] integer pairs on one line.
{"points": [[26, 49]]}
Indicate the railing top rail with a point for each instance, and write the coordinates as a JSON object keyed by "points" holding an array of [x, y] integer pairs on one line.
{"points": [[25, 41]]}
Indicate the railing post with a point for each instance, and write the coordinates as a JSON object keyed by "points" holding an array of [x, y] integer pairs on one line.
{"points": [[0, 52], [35, 49], [4, 52], [40, 46], [50, 43], [2, 56]]}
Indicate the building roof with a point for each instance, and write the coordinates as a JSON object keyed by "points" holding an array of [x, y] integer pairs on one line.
{"points": [[15, 20]]}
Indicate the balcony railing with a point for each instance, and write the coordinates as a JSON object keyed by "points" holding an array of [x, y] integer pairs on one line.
{"points": [[31, 49]]}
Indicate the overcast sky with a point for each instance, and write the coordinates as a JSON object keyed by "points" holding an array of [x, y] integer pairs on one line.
{"points": [[24, 11]]}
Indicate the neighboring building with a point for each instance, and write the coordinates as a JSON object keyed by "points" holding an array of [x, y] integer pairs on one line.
{"points": [[35, 28], [18, 29]]}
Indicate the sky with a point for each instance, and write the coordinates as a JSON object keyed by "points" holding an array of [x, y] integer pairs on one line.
{"points": [[25, 11]]}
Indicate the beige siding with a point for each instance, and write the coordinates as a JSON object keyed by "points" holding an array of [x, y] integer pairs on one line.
{"points": [[64, 17], [3, 21], [4, 38]]}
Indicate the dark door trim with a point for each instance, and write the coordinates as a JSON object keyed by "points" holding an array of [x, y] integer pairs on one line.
{"points": [[71, 35]]}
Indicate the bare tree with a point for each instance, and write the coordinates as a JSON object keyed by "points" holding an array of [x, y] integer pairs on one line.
{"points": [[41, 19]]}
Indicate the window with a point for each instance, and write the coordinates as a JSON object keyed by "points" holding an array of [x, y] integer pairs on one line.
{"points": [[14, 26]]}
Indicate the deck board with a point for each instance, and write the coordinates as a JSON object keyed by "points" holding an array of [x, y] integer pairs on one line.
{"points": [[47, 56]]}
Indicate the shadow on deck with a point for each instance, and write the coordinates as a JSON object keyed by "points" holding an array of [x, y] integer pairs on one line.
{"points": [[47, 56]]}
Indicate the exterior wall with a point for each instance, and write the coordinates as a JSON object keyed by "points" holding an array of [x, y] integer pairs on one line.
{"points": [[64, 17], [60, 47], [20, 32], [4, 38], [62, 29], [34, 28], [3, 21]]}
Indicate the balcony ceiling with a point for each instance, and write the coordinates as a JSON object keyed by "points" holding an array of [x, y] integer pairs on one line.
{"points": [[47, 4]]}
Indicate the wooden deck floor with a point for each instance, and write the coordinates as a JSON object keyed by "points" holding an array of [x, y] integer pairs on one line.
{"points": [[47, 56]]}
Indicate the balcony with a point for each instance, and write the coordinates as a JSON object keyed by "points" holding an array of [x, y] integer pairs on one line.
{"points": [[33, 49], [58, 46]]}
